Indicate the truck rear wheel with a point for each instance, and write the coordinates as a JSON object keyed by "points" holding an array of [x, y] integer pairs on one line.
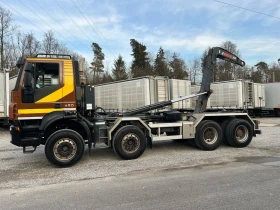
{"points": [[64, 148], [239, 133], [129, 142], [208, 135], [223, 127]]}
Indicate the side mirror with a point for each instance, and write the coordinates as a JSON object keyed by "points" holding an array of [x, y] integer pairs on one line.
{"points": [[20, 62], [29, 67], [27, 79]]}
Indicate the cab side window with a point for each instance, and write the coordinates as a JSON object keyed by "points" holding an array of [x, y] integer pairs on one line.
{"points": [[46, 75], [44, 81]]}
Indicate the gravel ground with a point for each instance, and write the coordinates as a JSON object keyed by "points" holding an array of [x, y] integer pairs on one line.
{"points": [[25, 170]]}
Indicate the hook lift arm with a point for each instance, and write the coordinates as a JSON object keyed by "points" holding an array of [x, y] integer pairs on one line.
{"points": [[207, 71]]}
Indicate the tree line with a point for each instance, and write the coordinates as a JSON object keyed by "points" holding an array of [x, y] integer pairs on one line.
{"points": [[15, 44], [172, 66], [143, 64]]}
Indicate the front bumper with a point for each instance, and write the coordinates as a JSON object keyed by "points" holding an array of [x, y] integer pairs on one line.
{"points": [[17, 138]]}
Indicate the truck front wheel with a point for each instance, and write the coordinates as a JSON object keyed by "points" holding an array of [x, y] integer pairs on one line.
{"points": [[239, 133], [129, 142], [208, 135], [64, 148]]}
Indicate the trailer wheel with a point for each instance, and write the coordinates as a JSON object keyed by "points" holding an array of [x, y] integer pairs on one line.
{"points": [[208, 135], [239, 133], [64, 148], [129, 142]]}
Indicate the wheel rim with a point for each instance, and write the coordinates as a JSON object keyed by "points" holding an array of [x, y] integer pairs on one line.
{"points": [[130, 143], [65, 149], [241, 133], [210, 135]]}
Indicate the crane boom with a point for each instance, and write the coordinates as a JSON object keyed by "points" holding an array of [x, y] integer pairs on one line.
{"points": [[207, 71]]}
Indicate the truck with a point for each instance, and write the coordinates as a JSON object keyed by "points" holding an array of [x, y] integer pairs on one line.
{"points": [[51, 107]]}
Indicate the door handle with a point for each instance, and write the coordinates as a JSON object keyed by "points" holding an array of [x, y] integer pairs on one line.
{"points": [[56, 106]]}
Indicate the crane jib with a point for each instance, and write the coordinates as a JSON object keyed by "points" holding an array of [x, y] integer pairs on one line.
{"points": [[227, 56]]}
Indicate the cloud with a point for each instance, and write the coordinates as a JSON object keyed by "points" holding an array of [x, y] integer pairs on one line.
{"points": [[259, 48], [141, 28], [182, 26], [197, 43]]}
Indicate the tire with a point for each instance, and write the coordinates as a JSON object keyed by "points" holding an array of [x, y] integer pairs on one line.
{"points": [[64, 148], [208, 135], [129, 142], [239, 133], [223, 127]]}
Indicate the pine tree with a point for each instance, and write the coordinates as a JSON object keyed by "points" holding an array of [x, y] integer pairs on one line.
{"points": [[97, 63], [262, 71], [178, 68], [160, 64], [257, 76], [106, 77], [140, 64], [118, 71]]}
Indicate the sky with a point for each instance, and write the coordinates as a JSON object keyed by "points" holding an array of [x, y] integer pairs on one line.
{"points": [[182, 26]]}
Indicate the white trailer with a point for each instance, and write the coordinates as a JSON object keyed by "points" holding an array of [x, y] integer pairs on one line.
{"points": [[4, 105], [272, 101], [12, 83], [235, 95], [179, 88], [129, 94]]}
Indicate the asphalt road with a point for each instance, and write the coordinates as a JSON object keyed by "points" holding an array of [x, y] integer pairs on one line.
{"points": [[170, 176], [247, 183]]}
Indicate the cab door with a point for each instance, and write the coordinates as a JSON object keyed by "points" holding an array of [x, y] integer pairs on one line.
{"points": [[42, 86]]}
